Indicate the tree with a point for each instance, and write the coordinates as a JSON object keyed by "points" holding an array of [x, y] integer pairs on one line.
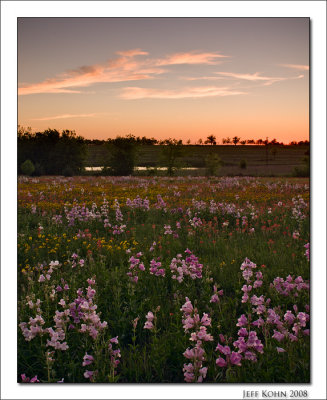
{"points": [[236, 139], [250, 141], [170, 151], [200, 141], [211, 139], [145, 140], [22, 131], [51, 151], [69, 154], [243, 142], [122, 155], [226, 141]]}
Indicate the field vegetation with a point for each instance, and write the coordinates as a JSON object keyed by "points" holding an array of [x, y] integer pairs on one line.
{"points": [[164, 280]]}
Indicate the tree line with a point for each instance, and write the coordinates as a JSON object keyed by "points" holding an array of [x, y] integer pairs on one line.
{"points": [[63, 153], [50, 152], [211, 139]]}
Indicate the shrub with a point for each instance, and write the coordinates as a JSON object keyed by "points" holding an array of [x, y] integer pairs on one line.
{"points": [[301, 172], [68, 171], [304, 171], [152, 171], [39, 170], [243, 164], [213, 163], [106, 171], [27, 167]]}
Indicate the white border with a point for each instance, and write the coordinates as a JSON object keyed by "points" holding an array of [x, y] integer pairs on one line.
{"points": [[316, 10]]}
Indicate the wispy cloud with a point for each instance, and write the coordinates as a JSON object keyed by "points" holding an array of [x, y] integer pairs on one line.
{"points": [[133, 93], [201, 78], [192, 57], [64, 116], [268, 80], [296, 66], [128, 66]]}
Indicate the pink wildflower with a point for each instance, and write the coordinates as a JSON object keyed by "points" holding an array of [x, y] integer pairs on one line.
{"points": [[235, 358], [242, 321], [278, 336], [89, 374], [87, 360], [148, 324], [221, 362]]}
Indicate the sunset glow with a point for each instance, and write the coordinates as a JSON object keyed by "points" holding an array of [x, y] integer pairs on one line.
{"points": [[184, 78]]}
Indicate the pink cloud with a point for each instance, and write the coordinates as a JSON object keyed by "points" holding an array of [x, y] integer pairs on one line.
{"points": [[296, 66], [132, 53], [38, 88], [268, 80], [64, 116], [133, 93], [205, 78], [126, 67], [191, 58]]}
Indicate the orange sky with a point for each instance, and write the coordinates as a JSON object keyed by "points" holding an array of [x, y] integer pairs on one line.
{"points": [[165, 77]]}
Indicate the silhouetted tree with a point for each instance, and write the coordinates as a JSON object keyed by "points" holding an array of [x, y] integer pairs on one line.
{"points": [[69, 154], [170, 151], [50, 151], [227, 140], [122, 155], [145, 140], [236, 139], [211, 139]]}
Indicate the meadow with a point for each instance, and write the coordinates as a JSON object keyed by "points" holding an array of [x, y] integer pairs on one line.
{"points": [[163, 280]]}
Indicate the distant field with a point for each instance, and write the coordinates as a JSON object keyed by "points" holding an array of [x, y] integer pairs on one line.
{"points": [[285, 159]]}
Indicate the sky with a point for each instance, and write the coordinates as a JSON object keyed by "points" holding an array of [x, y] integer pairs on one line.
{"points": [[183, 78]]}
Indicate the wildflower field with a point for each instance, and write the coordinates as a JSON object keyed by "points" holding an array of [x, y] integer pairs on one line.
{"points": [[163, 280]]}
